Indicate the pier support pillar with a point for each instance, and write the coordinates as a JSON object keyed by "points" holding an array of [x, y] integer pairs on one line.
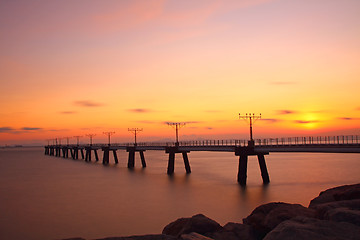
{"points": [[72, 152], [171, 164], [186, 162], [82, 154], [96, 155], [263, 169], [105, 156], [131, 159], [115, 157], [242, 173], [142, 159], [88, 154]]}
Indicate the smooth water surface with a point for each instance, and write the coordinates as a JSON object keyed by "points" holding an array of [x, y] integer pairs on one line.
{"points": [[44, 197]]}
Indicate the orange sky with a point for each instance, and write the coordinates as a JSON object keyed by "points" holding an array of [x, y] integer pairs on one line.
{"points": [[75, 67]]}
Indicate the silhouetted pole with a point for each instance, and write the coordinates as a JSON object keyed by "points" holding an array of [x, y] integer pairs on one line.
{"points": [[134, 131], [177, 126], [91, 137], [77, 139], [108, 134], [252, 118], [67, 140]]}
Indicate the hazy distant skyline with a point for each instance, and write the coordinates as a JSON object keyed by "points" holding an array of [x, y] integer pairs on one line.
{"points": [[74, 67]]}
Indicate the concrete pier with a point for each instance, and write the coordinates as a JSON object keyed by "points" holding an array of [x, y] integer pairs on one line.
{"points": [[106, 155], [171, 163], [131, 159], [88, 153]]}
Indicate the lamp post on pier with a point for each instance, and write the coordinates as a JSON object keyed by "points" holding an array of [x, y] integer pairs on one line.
{"points": [[91, 137], [251, 118], [77, 139], [108, 134], [177, 126], [134, 131]]}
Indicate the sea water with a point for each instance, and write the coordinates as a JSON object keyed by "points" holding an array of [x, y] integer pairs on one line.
{"points": [[46, 197]]}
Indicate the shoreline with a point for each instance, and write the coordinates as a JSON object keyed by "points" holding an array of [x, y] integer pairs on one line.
{"points": [[334, 214]]}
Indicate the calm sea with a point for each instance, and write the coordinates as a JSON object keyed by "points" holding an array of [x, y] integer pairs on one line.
{"points": [[43, 197]]}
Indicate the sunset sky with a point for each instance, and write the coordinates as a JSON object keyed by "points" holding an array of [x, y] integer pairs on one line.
{"points": [[76, 67]]}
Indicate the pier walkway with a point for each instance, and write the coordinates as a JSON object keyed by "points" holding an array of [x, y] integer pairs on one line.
{"points": [[241, 148]]}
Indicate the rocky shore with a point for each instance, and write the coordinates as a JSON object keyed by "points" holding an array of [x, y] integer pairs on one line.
{"points": [[334, 214]]}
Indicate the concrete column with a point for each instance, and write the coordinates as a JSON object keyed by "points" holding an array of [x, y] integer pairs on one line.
{"points": [[142, 158], [242, 173], [105, 156], [88, 155], [96, 155], [82, 154], [72, 152], [115, 157], [131, 160], [263, 169], [171, 164], [186, 162]]}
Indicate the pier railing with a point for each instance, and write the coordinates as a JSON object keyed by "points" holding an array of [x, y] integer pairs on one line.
{"points": [[310, 140], [284, 141]]}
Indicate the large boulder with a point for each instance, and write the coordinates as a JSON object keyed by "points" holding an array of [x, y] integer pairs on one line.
{"points": [[194, 236], [197, 223], [339, 211], [266, 217], [300, 228], [235, 231], [343, 215], [346, 192], [143, 237]]}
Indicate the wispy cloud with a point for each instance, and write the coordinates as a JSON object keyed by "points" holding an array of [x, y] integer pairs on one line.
{"points": [[68, 112], [6, 129], [285, 112], [87, 103], [304, 122], [348, 118], [31, 129], [270, 120], [139, 110]]}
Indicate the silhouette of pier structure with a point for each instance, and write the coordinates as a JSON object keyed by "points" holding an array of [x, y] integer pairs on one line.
{"points": [[241, 148]]}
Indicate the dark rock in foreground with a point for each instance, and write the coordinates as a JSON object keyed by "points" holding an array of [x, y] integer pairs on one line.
{"points": [[300, 228], [346, 192], [266, 217], [144, 237], [334, 214], [197, 223]]}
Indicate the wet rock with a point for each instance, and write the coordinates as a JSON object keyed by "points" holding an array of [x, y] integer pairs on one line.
{"points": [[74, 238], [300, 228], [266, 217], [346, 192], [143, 237], [235, 231], [194, 236], [197, 223], [339, 211], [343, 215]]}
